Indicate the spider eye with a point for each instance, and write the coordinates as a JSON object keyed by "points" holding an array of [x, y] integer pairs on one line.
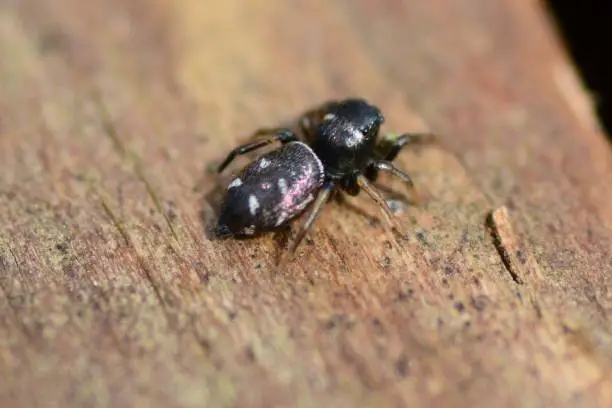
{"points": [[371, 127]]}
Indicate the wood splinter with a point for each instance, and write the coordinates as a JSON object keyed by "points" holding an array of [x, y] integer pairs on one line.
{"points": [[511, 248]]}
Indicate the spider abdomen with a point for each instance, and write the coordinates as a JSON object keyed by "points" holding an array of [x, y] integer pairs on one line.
{"points": [[271, 190]]}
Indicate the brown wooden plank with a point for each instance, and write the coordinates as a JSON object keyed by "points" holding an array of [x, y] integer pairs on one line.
{"points": [[112, 295]]}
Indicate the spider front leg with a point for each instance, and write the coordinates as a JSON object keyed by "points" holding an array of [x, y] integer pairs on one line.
{"points": [[282, 135], [313, 214], [383, 165], [389, 149], [409, 139]]}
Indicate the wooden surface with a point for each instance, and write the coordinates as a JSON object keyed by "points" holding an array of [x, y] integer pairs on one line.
{"points": [[112, 111]]}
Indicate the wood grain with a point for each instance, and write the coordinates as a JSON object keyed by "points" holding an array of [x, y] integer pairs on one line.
{"points": [[111, 116]]}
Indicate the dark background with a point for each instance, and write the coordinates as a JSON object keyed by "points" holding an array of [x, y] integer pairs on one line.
{"points": [[586, 27]]}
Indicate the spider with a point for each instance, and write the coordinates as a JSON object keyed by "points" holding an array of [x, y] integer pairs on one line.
{"points": [[339, 150]]}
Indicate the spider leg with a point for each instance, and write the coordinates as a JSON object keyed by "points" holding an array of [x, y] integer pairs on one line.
{"points": [[409, 139], [388, 149], [274, 135], [375, 195], [383, 165], [313, 214]]}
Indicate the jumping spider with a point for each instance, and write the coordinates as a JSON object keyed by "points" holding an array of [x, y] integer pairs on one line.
{"points": [[340, 150]]}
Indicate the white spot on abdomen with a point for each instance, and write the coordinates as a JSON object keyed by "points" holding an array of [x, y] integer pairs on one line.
{"points": [[263, 163], [237, 182], [282, 185], [253, 204]]}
